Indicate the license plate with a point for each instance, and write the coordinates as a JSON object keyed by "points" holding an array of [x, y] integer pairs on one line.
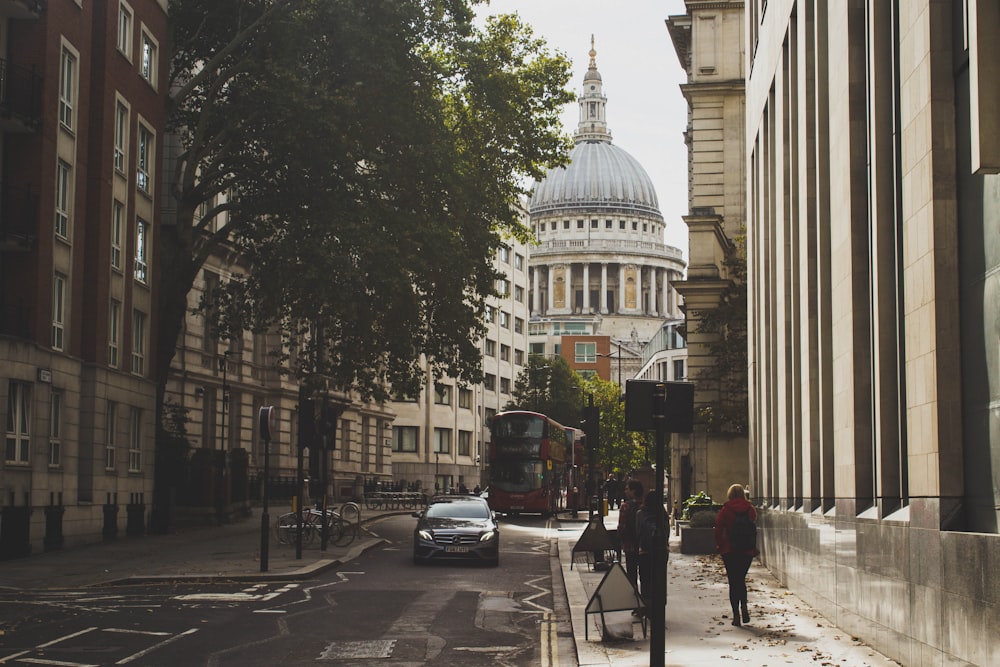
{"points": [[457, 550]]}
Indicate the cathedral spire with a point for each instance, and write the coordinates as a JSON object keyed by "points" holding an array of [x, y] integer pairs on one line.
{"points": [[593, 122]]}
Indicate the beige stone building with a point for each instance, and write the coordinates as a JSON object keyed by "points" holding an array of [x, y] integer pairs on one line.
{"points": [[708, 40], [873, 203]]}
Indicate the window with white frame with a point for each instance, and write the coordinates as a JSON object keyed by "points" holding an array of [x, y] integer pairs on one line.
{"points": [[58, 310], [135, 440], [464, 443], [138, 342], [63, 197], [678, 369], [114, 331], [55, 428], [125, 29], [67, 88], [141, 241], [404, 438], [121, 136], [442, 394], [518, 261], [117, 225], [144, 164], [585, 353], [147, 67], [18, 422], [505, 319], [503, 287], [110, 435], [442, 440], [504, 253]]}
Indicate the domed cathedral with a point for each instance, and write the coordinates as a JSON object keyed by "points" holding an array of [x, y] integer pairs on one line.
{"points": [[601, 271]]}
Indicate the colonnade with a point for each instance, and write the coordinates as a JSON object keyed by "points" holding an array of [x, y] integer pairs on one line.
{"points": [[624, 288]]}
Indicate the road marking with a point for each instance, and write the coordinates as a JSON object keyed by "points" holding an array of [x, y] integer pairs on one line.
{"points": [[154, 647], [40, 661], [69, 636], [126, 631], [549, 640]]}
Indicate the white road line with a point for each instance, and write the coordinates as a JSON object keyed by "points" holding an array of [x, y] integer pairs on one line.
{"points": [[61, 663], [154, 647], [13, 656], [126, 631], [70, 636]]}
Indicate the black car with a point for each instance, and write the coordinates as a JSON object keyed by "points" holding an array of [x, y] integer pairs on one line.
{"points": [[456, 527]]}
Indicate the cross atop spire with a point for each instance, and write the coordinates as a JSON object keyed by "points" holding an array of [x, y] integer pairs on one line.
{"points": [[593, 123]]}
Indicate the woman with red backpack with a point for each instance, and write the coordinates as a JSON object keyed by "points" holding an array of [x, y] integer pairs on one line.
{"points": [[736, 542]]}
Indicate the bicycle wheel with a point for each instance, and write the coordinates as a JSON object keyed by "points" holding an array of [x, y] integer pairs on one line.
{"points": [[350, 523], [285, 528]]}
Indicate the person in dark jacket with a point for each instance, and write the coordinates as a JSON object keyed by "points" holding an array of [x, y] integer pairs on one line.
{"points": [[737, 561], [645, 522], [627, 532]]}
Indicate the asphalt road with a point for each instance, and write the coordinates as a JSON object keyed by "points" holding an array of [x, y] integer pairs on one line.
{"points": [[379, 606]]}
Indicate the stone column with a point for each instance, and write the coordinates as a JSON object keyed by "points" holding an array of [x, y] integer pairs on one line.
{"points": [[653, 271], [640, 303], [586, 287], [621, 288], [548, 307], [536, 289], [603, 296], [666, 297]]}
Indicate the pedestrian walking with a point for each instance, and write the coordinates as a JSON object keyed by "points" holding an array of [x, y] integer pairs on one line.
{"points": [[627, 530], [736, 542], [645, 522]]}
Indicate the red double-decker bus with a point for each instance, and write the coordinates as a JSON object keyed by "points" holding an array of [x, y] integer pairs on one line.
{"points": [[527, 458]]}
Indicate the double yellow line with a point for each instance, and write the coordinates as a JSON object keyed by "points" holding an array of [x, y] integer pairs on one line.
{"points": [[549, 640]]}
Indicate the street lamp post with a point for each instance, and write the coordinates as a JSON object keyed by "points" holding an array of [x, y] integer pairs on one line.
{"points": [[223, 495], [608, 356]]}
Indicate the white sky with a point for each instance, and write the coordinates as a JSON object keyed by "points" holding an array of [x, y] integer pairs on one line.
{"points": [[647, 114]]}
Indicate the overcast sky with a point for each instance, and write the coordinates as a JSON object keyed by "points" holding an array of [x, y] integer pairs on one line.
{"points": [[641, 74]]}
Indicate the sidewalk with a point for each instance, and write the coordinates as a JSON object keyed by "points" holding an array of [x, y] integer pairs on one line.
{"points": [[782, 630]]}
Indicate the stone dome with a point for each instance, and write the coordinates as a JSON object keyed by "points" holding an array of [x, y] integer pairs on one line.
{"points": [[600, 175]]}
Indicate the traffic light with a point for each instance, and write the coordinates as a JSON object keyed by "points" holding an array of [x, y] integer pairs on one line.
{"points": [[648, 400], [592, 424]]}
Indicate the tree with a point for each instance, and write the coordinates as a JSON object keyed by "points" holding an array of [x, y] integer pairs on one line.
{"points": [[619, 449], [366, 157], [548, 385], [729, 413]]}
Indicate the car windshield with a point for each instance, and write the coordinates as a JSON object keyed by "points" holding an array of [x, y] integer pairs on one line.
{"points": [[459, 510]]}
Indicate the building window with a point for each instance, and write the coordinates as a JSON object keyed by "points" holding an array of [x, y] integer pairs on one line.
{"points": [[518, 294], [138, 342], [63, 182], [621, 224], [442, 441], [141, 268], [114, 332], [586, 353], [504, 385], [125, 29], [491, 348], [609, 224], [504, 352], [67, 88], [635, 226], [442, 394], [464, 443], [488, 314], [503, 287], [135, 440], [565, 224], [55, 429], [579, 224], [117, 224], [145, 159], [678, 369], [490, 382], [518, 325], [518, 357], [147, 68], [404, 438], [505, 319], [18, 421], [504, 253], [111, 436], [465, 398], [58, 310], [519, 259], [489, 414], [121, 136]]}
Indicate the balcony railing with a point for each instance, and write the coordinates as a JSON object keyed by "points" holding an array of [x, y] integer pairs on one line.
{"points": [[20, 94], [18, 218]]}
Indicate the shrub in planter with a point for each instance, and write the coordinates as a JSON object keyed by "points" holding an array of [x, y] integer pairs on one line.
{"points": [[703, 519]]}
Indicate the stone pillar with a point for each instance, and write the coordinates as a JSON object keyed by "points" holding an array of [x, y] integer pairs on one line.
{"points": [[640, 303], [603, 297], [536, 286], [621, 288], [586, 287], [666, 296], [653, 271], [548, 307]]}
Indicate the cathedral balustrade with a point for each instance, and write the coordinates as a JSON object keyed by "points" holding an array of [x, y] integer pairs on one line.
{"points": [[620, 246]]}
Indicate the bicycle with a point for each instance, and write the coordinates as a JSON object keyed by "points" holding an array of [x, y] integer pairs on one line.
{"points": [[286, 526]]}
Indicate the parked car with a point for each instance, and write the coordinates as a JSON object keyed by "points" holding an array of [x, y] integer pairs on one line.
{"points": [[456, 527]]}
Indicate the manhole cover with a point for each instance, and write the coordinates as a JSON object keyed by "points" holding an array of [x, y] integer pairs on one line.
{"points": [[378, 648]]}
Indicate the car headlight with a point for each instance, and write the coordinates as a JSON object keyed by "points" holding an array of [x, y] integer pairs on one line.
{"points": [[487, 536], [425, 535]]}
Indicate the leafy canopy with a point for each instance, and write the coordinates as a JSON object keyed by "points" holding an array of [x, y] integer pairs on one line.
{"points": [[548, 385], [369, 156]]}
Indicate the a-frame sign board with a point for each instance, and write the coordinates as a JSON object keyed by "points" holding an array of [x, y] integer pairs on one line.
{"points": [[595, 539], [614, 593]]}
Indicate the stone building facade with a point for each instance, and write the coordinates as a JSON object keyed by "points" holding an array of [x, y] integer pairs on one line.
{"points": [[873, 203], [80, 131], [708, 40]]}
